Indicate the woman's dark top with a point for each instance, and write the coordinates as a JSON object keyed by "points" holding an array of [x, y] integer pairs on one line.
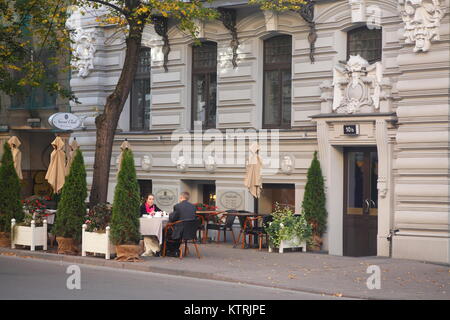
{"points": [[144, 210]]}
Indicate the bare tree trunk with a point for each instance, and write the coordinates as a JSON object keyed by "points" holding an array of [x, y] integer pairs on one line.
{"points": [[106, 123]]}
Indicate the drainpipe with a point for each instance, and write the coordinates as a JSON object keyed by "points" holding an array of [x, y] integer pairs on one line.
{"points": [[392, 233]]}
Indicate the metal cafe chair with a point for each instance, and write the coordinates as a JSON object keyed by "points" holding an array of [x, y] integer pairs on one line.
{"points": [[190, 228], [170, 226], [225, 223], [189, 233], [201, 228], [255, 226]]}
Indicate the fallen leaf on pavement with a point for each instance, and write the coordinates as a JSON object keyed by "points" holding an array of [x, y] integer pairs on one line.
{"points": [[338, 295]]}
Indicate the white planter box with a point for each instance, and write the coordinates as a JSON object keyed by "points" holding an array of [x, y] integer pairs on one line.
{"points": [[293, 243], [96, 242], [29, 236]]}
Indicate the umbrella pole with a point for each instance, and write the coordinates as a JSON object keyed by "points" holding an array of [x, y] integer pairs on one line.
{"points": [[256, 206]]}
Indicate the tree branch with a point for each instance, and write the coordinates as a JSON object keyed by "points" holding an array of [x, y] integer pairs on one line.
{"points": [[113, 6]]}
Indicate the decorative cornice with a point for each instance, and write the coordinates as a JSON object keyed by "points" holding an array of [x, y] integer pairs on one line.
{"points": [[161, 28], [228, 18]]}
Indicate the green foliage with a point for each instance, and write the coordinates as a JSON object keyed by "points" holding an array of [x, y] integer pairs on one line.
{"points": [[129, 15], [313, 206], [126, 205], [72, 207], [287, 226], [10, 205], [279, 5], [29, 29]]}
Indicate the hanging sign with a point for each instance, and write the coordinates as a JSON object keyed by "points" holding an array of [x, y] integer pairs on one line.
{"points": [[64, 121]]}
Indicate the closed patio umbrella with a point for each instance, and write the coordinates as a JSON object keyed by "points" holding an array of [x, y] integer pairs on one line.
{"points": [[124, 146], [15, 143], [56, 172], [253, 175], [73, 147]]}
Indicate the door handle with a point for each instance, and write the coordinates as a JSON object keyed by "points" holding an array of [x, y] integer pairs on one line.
{"points": [[367, 205], [374, 205]]}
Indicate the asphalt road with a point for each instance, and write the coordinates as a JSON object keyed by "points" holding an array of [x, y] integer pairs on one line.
{"points": [[38, 279]]}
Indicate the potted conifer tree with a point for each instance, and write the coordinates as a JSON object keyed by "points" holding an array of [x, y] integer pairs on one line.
{"points": [[10, 205], [313, 206], [125, 233], [71, 208]]}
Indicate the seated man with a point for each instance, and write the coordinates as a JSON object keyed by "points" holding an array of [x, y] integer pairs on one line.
{"points": [[184, 210]]}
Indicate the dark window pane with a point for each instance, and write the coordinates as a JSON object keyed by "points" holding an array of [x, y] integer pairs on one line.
{"points": [[366, 43], [204, 84], [271, 98], [141, 93], [355, 186], [286, 102], [211, 115], [198, 97], [284, 194], [277, 82], [278, 50], [38, 97], [205, 56]]}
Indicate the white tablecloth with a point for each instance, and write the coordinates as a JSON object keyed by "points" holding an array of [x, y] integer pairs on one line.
{"points": [[153, 227]]}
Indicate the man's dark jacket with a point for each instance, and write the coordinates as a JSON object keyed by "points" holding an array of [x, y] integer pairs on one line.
{"points": [[181, 211]]}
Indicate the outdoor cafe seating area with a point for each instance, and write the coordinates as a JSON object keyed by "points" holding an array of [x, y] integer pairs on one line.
{"points": [[211, 225]]}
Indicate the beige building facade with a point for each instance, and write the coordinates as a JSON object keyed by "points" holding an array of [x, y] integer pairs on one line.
{"points": [[364, 83]]}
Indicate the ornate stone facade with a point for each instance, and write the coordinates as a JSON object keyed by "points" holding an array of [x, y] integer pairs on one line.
{"points": [[399, 104]]}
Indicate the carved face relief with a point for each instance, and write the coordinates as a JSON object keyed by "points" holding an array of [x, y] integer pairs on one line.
{"points": [[181, 164], [287, 165], [422, 19], [84, 50], [146, 163], [210, 164]]}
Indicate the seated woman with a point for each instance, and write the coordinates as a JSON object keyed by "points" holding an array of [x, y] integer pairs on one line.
{"points": [[149, 206], [151, 243]]}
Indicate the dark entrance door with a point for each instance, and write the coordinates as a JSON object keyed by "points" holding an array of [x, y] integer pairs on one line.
{"points": [[360, 201]]}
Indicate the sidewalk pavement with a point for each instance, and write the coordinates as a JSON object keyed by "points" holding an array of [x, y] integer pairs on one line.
{"points": [[307, 272]]}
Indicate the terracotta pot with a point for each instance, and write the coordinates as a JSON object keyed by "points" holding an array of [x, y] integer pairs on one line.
{"points": [[5, 239], [128, 253], [67, 246]]}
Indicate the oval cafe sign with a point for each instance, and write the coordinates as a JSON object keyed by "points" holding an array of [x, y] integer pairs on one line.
{"points": [[64, 121]]}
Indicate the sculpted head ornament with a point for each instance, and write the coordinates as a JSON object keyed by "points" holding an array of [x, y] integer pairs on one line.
{"points": [[422, 20]]}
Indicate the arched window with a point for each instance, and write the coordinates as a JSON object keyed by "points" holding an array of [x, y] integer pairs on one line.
{"points": [[140, 93], [277, 82], [365, 42], [204, 84]]}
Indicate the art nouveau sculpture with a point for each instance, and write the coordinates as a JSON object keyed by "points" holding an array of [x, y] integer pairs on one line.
{"points": [[146, 163], [287, 165], [181, 164], [83, 51], [357, 87], [210, 164], [422, 20]]}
